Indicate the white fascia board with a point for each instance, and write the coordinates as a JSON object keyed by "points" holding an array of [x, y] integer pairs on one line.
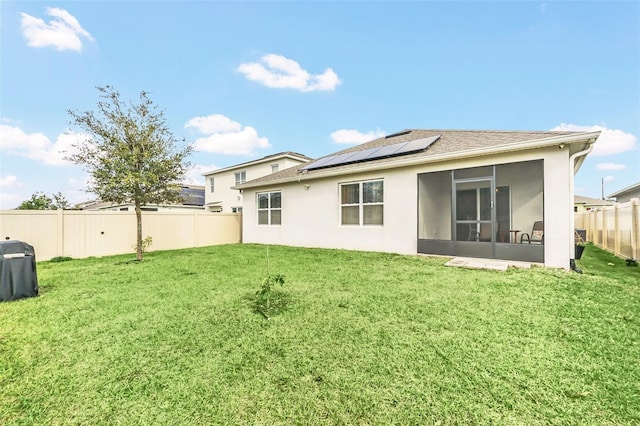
{"points": [[587, 138]]}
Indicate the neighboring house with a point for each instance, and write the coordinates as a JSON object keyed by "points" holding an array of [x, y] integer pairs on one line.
{"points": [[219, 195], [627, 193], [442, 192], [193, 196], [583, 204]]}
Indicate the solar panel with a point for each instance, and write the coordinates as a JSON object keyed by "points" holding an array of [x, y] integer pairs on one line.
{"points": [[370, 154], [417, 145], [193, 197], [338, 159], [319, 164], [386, 151], [393, 135]]}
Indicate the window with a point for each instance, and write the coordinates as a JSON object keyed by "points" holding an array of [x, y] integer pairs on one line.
{"points": [[361, 203], [211, 184], [241, 177], [274, 168], [269, 208]]}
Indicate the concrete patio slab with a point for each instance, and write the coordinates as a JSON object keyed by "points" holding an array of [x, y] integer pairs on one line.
{"points": [[489, 264]]}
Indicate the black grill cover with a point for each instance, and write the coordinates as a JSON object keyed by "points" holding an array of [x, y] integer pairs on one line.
{"points": [[18, 278]]}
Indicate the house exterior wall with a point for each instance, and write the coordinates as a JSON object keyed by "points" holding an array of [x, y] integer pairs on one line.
{"points": [[227, 198], [311, 215], [558, 209], [581, 207], [628, 195]]}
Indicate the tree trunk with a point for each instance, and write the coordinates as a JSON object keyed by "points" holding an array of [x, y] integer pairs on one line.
{"points": [[139, 233]]}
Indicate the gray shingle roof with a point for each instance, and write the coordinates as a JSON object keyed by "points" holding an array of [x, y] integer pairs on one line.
{"points": [[580, 199], [450, 143]]}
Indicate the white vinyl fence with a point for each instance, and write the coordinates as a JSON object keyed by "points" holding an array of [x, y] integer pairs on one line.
{"points": [[615, 228], [82, 233]]}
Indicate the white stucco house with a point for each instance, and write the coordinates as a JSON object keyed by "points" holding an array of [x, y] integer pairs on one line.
{"points": [[219, 195], [626, 194], [444, 192], [584, 204]]}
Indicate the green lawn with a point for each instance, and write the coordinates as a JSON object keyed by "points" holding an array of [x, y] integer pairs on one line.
{"points": [[364, 338]]}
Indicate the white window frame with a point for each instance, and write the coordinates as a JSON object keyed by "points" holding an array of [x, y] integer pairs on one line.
{"points": [[211, 184], [360, 204], [269, 209], [240, 177], [275, 167]]}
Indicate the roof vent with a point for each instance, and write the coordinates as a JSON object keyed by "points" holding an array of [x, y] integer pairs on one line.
{"points": [[393, 135]]}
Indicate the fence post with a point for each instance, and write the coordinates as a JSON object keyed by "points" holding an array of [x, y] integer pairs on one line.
{"points": [[60, 218], [635, 227], [603, 229], [616, 230]]}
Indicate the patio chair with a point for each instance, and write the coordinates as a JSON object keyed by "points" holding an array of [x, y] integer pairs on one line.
{"points": [[537, 234], [483, 235]]}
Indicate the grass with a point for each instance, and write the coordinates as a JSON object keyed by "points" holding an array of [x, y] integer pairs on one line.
{"points": [[362, 338]]}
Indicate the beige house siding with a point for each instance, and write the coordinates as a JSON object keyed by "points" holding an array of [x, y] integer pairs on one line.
{"points": [[223, 198], [583, 204]]}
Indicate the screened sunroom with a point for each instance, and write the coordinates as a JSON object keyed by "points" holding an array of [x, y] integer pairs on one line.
{"points": [[487, 212]]}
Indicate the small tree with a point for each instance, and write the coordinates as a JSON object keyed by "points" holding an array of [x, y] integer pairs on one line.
{"points": [[130, 153], [59, 201], [38, 201], [41, 201]]}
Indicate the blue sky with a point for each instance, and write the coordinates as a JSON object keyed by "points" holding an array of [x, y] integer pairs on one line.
{"points": [[241, 80]]}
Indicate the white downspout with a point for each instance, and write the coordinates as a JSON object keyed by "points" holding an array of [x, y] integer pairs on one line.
{"points": [[572, 217]]}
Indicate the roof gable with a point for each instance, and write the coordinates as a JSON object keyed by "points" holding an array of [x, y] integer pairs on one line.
{"points": [[580, 199], [624, 191], [286, 154]]}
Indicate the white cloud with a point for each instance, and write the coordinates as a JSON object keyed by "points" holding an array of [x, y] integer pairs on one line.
{"points": [[610, 166], [10, 196], [610, 142], [194, 175], [10, 121], [284, 73], [9, 181], [349, 136], [36, 146], [76, 191], [225, 136], [243, 142], [608, 178], [214, 123], [9, 200], [62, 32]]}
